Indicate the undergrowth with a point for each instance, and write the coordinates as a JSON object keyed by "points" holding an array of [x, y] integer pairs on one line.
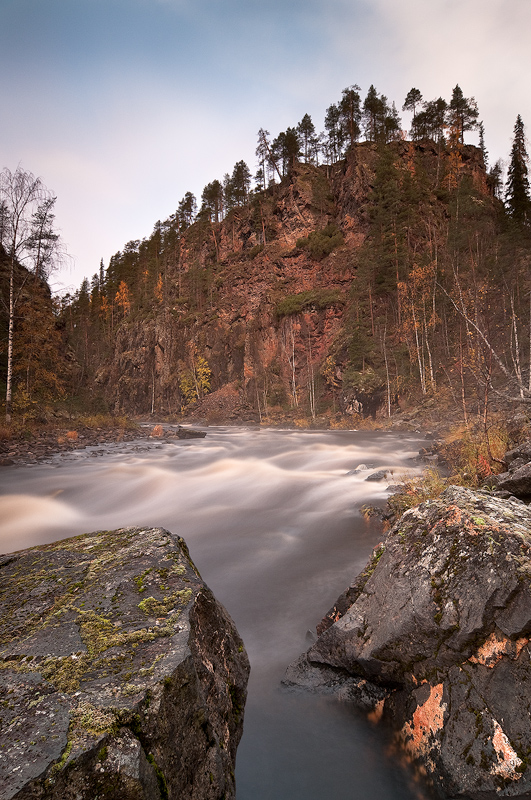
{"points": [[470, 457], [105, 421], [416, 490]]}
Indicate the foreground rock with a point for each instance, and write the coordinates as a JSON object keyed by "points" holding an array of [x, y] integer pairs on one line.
{"points": [[121, 675], [433, 638]]}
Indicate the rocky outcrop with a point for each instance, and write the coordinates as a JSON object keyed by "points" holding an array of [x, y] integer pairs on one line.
{"points": [[121, 675], [433, 638]]}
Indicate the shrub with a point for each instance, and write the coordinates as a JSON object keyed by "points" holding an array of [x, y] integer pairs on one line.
{"points": [[320, 243], [416, 490], [254, 251], [313, 298]]}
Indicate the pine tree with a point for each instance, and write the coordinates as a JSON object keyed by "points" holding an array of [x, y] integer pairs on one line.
{"points": [[263, 152], [350, 114], [212, 200], [413, 99], [429, 123], [307, 137], [495, 179], [462, 113], [373, 114], [286, 149], [381, 120], [335, 133], [517, 190], [238, 185], [187, 210]]}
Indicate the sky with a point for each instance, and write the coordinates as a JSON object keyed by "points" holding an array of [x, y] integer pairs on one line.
{"points": [[122, 106]]}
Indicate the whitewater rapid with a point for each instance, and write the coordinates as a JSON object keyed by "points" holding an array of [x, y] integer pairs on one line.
{"points": [[272, 522]]}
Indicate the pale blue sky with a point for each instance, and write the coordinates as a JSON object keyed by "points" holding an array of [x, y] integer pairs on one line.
{"points": [[121, 106]]}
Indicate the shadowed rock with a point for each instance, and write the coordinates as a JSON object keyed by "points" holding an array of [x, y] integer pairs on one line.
{"points": [[121, 675], [435, 633], [517, 481]]}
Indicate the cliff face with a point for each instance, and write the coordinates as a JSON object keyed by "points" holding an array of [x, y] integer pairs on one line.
{"points": [[297, 298], [434, 638], [121, 675]]}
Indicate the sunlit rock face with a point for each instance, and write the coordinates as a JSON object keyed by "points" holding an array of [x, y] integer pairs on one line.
{"points": [[122, 676], [433, 637]]}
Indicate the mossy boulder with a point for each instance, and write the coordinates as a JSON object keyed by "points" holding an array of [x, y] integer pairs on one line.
{"points": [[434, 638], [121, 676]]}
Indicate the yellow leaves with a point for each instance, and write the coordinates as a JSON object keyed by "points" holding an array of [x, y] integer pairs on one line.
{"points": [[122, 298], [416, 296], [158, 290], [104, 307], [329, 372], [187, 387], [194, 382]]}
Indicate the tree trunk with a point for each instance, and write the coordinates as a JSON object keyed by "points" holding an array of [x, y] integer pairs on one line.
{"points": [[10, 337]]}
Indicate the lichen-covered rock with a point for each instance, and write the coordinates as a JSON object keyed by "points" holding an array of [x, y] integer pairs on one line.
{"points": [[121, 676], [439, 624]]}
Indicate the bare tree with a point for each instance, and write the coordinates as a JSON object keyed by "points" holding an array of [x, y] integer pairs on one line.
{"points": [[29, 243], [514, 377]]}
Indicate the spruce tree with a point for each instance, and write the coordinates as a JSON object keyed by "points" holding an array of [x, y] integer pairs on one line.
{"points": [[495, 179], [517, 190], [482, 146]]}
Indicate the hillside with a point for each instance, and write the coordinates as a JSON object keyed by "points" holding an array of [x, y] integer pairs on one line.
{"points": [[332, 291]]}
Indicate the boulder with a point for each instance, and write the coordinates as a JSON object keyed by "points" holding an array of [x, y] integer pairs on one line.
{"points": [[121, 675], [189, 433], [522, 451], [516, 481], [380, 475], [434, 638]]}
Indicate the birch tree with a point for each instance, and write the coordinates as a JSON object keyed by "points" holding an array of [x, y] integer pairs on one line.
{"points": [[29, 242]]}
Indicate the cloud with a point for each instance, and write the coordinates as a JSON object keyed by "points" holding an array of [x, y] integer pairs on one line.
{"points": [[124, 105]]}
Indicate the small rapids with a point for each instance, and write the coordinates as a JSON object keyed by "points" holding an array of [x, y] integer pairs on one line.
{"points": [[272, 521]]}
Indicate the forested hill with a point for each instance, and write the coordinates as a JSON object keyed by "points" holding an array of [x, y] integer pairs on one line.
{"points": [[333, 290], [392, 272]]}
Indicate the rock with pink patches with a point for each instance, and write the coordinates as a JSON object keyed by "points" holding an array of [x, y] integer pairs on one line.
{"points": [[436, 630]]}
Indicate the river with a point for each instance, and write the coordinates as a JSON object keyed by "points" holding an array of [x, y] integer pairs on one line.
{"points": [[272, 522]]}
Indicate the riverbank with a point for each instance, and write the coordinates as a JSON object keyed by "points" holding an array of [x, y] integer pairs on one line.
{"points": [[471, 446], [30, 445]]}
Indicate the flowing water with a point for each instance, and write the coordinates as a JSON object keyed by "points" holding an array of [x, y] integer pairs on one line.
{"points": [[272, 522]]}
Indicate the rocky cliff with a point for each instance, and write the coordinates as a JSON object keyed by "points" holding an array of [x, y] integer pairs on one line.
{"points": [[434, 639], [121, 675], [297, 299]]}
